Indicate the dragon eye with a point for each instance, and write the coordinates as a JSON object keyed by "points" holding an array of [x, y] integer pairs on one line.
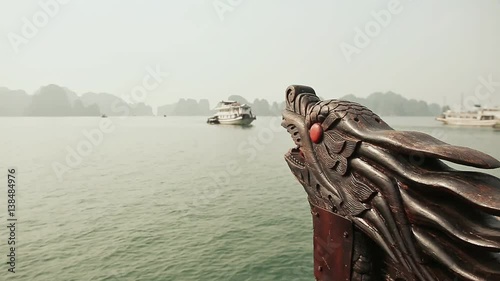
{"points": [[316, 132]]}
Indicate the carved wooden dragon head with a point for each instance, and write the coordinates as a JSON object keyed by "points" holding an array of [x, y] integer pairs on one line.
{"points": [[385, 206]]}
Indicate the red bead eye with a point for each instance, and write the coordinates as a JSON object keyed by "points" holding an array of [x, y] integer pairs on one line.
{"points": [[316, 132]]}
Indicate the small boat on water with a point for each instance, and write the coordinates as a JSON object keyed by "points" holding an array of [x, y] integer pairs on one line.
{"points": [[104, 116], [482, 117], [232, 113]]}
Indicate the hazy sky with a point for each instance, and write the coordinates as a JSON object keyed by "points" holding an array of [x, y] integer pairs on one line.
{"points": [[427, 49]]}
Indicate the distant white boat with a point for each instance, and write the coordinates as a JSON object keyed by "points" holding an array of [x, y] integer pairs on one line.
{"points": [[482, 117], [232, 113], [493, 110]]}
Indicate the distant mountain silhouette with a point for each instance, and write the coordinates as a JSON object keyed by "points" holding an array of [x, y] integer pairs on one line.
{"points": [[391, 104], [238, 98], [50, 100], [261, 107], [190, 107], [108, 104], [166, 109], [385, 104], [13, 102], [186, 107], [81, 110], [141, 109], [112, 105], [53, 100]]}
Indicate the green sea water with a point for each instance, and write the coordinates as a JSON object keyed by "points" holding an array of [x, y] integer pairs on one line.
{"points": [[155, 198]]}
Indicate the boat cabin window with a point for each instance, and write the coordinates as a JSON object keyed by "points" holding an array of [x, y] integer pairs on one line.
{"points": [[487, 117]]}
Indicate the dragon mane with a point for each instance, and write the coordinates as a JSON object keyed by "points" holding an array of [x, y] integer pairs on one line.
{"points": [[431, 222]]}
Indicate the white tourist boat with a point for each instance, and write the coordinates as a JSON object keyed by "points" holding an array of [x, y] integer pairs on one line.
{"points": [[483, 117], [493, 110], [232, 113]]}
